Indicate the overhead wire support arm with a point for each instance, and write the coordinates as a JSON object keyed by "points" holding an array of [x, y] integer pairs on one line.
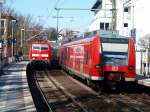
{"points": [[58, 9], [62, 17]]}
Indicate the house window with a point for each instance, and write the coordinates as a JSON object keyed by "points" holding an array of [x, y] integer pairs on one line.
{"points": [[126, 9], [106, 26], [102, 26], [125, 24]]}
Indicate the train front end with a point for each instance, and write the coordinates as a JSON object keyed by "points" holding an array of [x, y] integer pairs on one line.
{"points": [[118, 60], [40, 51]]}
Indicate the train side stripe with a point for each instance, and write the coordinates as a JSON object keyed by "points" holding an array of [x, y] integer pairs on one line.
{"points": [[84, 75]]}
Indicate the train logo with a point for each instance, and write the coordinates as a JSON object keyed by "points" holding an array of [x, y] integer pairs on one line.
{"points": [[114, 68]]}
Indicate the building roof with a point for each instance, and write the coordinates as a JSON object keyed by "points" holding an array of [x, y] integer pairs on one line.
{"points": [[96, 5], [9, 17]]}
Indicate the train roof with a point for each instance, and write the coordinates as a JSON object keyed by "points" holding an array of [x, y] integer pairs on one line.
{"points": [[79, 41], [104, 40], [104, 34], [39, 43]]}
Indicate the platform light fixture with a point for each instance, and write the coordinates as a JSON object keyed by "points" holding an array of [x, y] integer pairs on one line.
{"points": [[21, 38]]}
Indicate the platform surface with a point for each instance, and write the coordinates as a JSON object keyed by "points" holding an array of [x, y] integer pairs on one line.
{"points": [[15, 95], [143, 80]]}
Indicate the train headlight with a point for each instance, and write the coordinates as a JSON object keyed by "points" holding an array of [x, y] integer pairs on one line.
{"points": [[98, 66], [131, 67]]}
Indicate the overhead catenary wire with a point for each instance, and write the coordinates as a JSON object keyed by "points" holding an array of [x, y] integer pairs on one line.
{"points": [[79, 9], [45, 21]]}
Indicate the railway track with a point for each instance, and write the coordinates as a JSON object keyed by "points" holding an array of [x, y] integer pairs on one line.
{"points": [[65, 94], [56, 97]]}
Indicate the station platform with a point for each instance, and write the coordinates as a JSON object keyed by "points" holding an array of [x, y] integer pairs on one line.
{"points": [[143, 80], [15, 94]]}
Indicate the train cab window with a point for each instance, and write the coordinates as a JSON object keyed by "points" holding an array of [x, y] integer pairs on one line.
{"points": [[35, 47], [44, 48], [115, 51]]}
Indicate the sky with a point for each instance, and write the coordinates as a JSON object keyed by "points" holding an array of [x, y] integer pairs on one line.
{"points": [[43, 11]]}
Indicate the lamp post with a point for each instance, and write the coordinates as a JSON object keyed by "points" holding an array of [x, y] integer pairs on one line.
{"points": [[21, 38]]}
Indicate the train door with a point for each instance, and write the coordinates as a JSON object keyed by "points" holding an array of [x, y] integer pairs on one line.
{"points": [[73, 56], [87, 59], [81, 58]]}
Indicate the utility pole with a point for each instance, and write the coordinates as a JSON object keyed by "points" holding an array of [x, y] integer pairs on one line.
{"points": [[60, 17], [13, 22], [80, 9], [114, 15], [57, 18], [1, 71]]}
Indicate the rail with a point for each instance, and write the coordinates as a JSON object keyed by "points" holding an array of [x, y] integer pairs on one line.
{"points": [[42, 94]]}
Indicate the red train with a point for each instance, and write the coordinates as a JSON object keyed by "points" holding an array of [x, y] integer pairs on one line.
{"points": [[40, 51], [98, 59]]}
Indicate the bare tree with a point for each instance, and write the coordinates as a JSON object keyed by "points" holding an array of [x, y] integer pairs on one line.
{"points": [[145, 42]]}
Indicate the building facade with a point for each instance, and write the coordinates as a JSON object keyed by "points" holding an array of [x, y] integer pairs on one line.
{"points": [[6, 37], [132, 19], [103, 15]]}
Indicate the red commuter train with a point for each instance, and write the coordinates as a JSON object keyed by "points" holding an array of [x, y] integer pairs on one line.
{"points": [[40, 51], [100, 59]]}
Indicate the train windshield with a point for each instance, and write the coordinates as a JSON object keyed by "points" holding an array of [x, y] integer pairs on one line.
{"points": [[39, 47], [115, 51], [44, 47], [35, 47]]}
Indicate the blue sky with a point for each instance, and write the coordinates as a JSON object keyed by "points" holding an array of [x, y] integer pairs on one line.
{"points": [[45, 9]]}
